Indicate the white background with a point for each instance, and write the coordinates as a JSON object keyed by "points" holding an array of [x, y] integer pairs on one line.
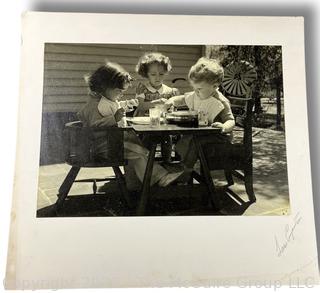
{"points": [[10, 32]]}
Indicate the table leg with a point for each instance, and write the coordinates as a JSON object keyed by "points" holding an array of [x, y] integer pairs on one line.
{"points": [[146, 181], [66, 186], [207, 177]]}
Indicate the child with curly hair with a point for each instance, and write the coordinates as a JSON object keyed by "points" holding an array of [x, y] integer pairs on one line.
{"points": [[152, 92], [107, 84]]}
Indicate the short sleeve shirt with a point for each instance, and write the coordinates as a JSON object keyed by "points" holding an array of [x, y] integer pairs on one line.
{"points": [[108, 108], [217, 107], [149, 93]]}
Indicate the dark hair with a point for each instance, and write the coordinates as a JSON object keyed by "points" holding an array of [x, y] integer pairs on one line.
{"points": [[108, 76], [206, 69], [152, 58]]}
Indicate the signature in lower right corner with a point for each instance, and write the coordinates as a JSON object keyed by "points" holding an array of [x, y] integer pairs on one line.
{"points": [[288, 236]]}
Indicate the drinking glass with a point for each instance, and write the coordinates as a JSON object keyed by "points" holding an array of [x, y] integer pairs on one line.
{"points": [[203, 118], [154, 114]]}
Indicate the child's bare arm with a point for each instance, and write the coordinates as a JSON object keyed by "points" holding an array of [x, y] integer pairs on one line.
{"points": [[226, 126], [176, 101], [226, 115], [146, 105], [143, 104], [128, 105]]}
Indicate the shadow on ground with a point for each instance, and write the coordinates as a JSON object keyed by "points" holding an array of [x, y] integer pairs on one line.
{"points": [[269, 177], [174, 201]]}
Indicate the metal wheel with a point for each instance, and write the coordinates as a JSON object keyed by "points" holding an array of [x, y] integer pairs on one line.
{"points": [[238, 77]]}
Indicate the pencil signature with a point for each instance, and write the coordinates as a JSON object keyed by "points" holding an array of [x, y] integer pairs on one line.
{"points": [[289, 235]]}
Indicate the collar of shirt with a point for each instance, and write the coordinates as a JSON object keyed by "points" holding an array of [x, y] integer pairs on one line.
{"points": [[215, 95], [153, 90], [107, 101]]}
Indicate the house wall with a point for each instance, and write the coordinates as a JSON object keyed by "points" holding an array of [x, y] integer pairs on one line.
{"points": [[66, 64], [65, 90]]}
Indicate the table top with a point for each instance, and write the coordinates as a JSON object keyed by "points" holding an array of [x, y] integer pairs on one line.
{"points": [[174, 129]]}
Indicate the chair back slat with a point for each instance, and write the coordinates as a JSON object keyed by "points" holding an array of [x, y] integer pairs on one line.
{"points": [[86, 145], [237, 87]]}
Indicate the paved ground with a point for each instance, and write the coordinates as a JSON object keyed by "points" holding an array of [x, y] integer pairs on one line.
{"points": [[270, 185]]}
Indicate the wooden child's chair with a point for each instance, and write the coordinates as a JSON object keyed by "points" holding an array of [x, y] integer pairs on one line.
{"points": [[80, 152], [236, 158]]}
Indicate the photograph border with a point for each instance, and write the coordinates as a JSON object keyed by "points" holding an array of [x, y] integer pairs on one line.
{"points": [[163, 251]]}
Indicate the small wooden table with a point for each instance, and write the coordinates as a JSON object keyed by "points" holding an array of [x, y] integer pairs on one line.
{"points": [[155, 134]]}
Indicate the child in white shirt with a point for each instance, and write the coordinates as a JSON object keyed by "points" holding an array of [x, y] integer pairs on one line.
{"points": [[205, 77]]}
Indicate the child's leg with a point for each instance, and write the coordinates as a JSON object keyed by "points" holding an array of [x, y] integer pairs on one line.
{"points": [[134, 151], [137, 156], [187, 150], [133, 146], [166, 148], [138, 161], [157, 172], [131, 136]]}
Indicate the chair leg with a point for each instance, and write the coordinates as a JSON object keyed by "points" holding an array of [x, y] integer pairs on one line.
{"points": [[66, 186], [94, 186], [248, 182], [190, 181], [228, 175], [122, 186], [205, 198], [214, 196], [146, 182], [197, 177]]}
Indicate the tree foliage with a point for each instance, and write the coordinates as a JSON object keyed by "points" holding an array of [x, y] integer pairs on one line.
{"points": [[268, 63]]}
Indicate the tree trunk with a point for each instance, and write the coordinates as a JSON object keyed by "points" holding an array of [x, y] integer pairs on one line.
{"points": [[278, 124], [257, 89], [277, 69]]}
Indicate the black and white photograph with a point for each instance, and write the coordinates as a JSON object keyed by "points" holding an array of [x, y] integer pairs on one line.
{"points": [[149, 157], [160, 130]]}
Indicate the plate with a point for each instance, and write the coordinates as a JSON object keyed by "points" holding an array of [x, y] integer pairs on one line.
{"points": [[184, 113], [141, 120]]}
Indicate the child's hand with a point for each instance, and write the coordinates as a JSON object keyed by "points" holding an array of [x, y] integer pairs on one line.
{"points": [[219, 125], [163, 100], [133, 103], [160, 101], [168, 104], [130, 105], [120, 113]]}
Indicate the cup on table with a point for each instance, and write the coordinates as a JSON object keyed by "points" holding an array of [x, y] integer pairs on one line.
{"points": [[154, 114], [203, 118], [163, 113], [161, 108]]}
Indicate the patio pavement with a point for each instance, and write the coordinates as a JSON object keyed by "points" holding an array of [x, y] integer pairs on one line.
{"points": [[270, 183]]}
